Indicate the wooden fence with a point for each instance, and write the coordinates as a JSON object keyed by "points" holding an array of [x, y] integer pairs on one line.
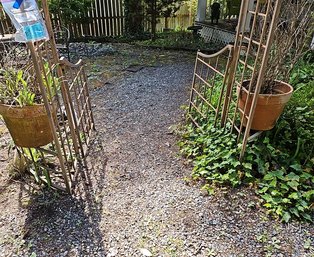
{"points": [[179, 22], [104, 19]]}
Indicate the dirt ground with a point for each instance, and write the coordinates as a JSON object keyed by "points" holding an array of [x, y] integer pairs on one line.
{"points": [[139, 202]]}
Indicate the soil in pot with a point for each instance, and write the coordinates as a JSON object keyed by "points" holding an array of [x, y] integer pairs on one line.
{"points": [[269, 106]]}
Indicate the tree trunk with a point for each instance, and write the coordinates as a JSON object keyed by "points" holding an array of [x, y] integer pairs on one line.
{"points": [[133, 17], [154, 19], [166, 23]]}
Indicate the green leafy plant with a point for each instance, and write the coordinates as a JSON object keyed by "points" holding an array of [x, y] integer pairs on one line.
{"points": [[17, 87], [35, 156], [134, 17], [285, 187], [51, 82], [278, 164], [70, 10], [215, 154]]}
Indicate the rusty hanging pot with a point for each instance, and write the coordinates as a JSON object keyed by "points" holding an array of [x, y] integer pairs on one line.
{"points": [[269, 106], [28, 125]]}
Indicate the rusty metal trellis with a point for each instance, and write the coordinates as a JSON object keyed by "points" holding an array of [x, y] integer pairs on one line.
{"points": [[207, 89], [244, 61], [69, 113]]}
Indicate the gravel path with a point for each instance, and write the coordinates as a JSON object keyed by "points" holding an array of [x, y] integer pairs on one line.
{"points": [[138, 202]]}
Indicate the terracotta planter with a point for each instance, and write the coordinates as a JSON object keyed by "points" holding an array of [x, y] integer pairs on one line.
{"points": [[28, 125], [269, 106]]}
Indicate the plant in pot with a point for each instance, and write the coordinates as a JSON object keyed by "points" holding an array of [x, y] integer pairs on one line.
{"points": [[291, 41], [22, 108]]}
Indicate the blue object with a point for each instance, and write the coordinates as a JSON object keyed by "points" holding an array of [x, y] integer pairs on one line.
{"points": [[35, 32], [17, 4]]}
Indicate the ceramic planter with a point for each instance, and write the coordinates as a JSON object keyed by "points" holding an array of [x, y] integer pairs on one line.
{"points": [[28, 125], [269, 106]]}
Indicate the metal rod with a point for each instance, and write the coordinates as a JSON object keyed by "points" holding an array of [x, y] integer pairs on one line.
{"points": [[49, 113], [193, 83], [64, 88], [261, 78]]}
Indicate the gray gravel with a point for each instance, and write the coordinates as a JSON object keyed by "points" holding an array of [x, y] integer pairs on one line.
{"points": [[149, 204], [90, 50], [138, 202]]}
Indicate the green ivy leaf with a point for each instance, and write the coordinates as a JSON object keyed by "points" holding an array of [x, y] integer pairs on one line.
{"points": [[263, 190], [293, 184], [286, 216], [261, 166], [286, 200], [303, 203], [284, 187], [306, 175], [225, 177], [294, 196], [279, 211], [278, 174], [269, 176], [296, 167], [300, 208], [247, 165], [268, 198], [307, 216], [273, 183], [248, 175], [275, 192], [295, 212], [268, 205], [308, 194], [292, 176]]}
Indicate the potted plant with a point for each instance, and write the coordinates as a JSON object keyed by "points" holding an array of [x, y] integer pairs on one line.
{"points": [[269, 105], [291, 42], [22, 108]]}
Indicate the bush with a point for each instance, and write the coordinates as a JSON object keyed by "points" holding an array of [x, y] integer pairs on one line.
{"points": [[70, 10]]}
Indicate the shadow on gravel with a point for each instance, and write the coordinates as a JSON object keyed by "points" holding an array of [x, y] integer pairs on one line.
{"points": [[59, 224]]}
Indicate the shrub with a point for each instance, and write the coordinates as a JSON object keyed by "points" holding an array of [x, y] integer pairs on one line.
{"points": [[70, 10]]}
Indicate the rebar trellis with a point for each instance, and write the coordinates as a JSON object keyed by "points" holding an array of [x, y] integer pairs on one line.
{"points": [[69, 113], [246, 61]]}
